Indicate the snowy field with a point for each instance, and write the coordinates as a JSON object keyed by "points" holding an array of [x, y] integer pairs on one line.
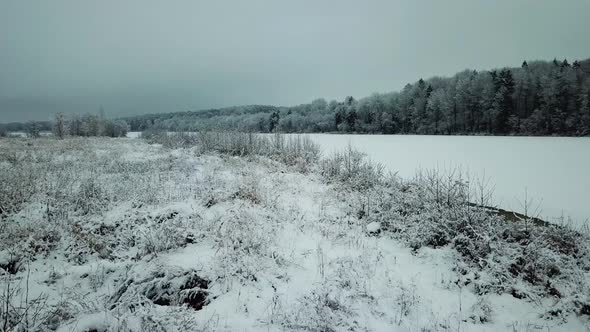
{"points": [[122, 235], [553, 170]]}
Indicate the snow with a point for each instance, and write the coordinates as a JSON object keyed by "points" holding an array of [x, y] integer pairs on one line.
{"points": [[374, 227], [133, 134], [92, 322], [554, 170], [282, 251]]}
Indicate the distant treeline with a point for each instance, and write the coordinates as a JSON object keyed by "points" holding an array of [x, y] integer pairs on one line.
{"points": [[24, 127], [538, 98], [73, 125], [88, 125]]}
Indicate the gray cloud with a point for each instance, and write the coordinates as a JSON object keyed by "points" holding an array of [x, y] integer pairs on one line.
{"points": [[136, 56]]}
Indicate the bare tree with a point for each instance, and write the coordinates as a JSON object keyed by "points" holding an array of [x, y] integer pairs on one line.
{"points": [[59, 126], [75, 125]]}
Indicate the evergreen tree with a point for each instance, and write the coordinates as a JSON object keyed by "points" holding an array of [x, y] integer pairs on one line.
{"points": [[274, 121], [351, 118], [576, 64], [505, 84]]}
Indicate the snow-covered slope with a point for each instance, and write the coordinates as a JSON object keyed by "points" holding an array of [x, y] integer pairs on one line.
{"points": [[120, 235], [551, 169]]}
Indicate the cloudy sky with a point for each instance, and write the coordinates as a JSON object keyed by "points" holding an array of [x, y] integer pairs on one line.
{"points": [[138, 56]]}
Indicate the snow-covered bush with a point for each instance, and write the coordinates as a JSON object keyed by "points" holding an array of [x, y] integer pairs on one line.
{"points": [[164, 288], [551, 259], [481, 312], [91, 197], [296, 151], [437, 209], [29, 239], [351, 168], [163, 232], [19, 310], [18, 179], [244, 245], [299, 151], [322, 309]]}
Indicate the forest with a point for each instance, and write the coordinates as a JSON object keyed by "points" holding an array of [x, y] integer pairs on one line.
{"points": [[538, 98]]}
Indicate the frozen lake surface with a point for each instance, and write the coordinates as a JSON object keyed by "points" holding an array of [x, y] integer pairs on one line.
{"points": [[554, 170]]}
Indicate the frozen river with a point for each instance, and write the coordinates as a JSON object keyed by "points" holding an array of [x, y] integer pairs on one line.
{"points": [[554, 170]]}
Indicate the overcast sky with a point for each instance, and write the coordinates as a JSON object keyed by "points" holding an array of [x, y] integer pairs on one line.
{"points": [[135, 57]]}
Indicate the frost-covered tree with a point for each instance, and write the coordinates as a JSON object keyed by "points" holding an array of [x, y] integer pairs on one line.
{"points": [[33, 129], [59, 126], [274, 121], [536, 98]]}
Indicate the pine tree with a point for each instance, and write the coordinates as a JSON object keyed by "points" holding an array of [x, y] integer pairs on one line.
{"points": [[339, 116], [274, 121], [351, 118], [428, 91], [584, 113], [576, 64], [504, 101], [349, 100]]}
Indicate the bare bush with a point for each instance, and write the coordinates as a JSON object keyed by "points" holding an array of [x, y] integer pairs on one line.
{"points": [[297, 151], [351, 167], [19, 310], [481, 311], [406, 300], [19, 178], [320, 310], [91, 197]]}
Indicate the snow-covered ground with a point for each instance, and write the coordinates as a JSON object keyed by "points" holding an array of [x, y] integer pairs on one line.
{"points": [[23, 134], [133, 134], [553, 170], [120, 235]]}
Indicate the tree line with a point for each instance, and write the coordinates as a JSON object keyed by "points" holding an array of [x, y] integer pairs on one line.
{"points": [[72, 125], [537, 98], [25, 127], [88, 125]]}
